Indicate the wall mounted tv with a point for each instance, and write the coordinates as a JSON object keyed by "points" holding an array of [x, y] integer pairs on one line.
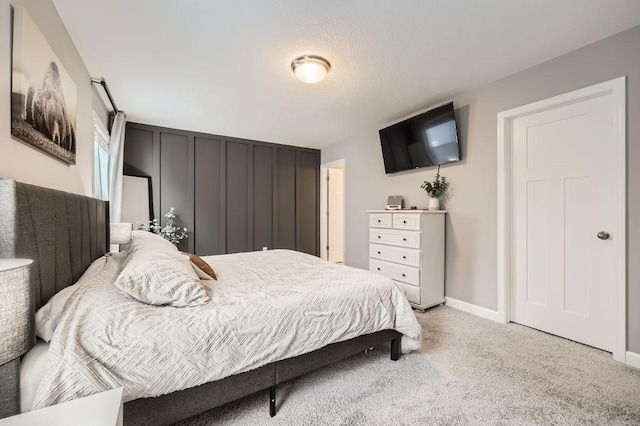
{"points": [[424, 140]]}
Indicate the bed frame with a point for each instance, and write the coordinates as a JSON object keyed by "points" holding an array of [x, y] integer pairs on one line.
{"points": [[64, 233]]}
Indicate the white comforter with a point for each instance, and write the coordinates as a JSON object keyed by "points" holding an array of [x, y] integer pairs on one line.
{"points": [[265, 306]]}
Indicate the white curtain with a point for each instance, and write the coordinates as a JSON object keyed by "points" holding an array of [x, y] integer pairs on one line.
{"points": [[116, 161]]}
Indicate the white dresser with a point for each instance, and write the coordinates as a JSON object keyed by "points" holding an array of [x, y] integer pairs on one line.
{"points": [[408, 246]]}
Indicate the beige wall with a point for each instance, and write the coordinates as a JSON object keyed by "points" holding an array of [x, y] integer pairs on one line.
{"points": [[471, 225], [19, 160]]}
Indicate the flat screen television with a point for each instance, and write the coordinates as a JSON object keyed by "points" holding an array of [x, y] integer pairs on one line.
{"points": [[425, 140]]}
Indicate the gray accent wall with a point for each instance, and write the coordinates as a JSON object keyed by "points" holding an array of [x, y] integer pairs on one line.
{"points": [[471, 265], [207, 195], [233, 195]]}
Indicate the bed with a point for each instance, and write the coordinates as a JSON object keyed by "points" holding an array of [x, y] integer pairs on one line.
{"points": [[66, 233]]}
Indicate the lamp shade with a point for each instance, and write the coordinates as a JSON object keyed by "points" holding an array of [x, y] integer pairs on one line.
{"points": [[120, 233], [16, 298]]}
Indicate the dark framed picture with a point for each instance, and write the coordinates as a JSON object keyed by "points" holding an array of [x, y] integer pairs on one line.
{"points": [[43, 95]]}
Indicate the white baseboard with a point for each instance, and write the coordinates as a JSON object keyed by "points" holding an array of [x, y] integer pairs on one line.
{"points": [[473, 309], [633, 359]]}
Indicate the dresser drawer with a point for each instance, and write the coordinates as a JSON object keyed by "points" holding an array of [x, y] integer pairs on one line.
{"points": [[395, 237], [412, 292], [406, 256], [406, 221], [380, 220], [407, 274]]}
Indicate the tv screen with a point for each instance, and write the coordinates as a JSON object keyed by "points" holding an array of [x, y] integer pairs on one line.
{"points": [[425, 140]]}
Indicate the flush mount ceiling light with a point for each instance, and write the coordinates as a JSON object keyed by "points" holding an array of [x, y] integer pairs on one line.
{"points": [[310, 68]]}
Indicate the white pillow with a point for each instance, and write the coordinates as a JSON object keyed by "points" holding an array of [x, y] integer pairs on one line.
{"points": [[48, 316], [149, 240], [158, 274]]}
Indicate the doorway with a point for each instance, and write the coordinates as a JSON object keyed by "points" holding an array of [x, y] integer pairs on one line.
{"points": [[561, 216], [332, 211]]}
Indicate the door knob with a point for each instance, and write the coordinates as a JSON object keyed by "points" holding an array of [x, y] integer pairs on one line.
{"points": [[604, 235]]}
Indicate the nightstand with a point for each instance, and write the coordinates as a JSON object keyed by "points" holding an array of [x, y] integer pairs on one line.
{"points": [[101, 409]]}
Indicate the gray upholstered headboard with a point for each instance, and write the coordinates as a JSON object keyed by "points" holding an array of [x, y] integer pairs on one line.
{"points": [[62, 232]]}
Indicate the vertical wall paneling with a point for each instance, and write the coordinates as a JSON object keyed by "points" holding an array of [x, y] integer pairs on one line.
{"points": [[308, 178], [207, 202], [233, 194], [274, 200], [263, 167], [250, 191], [297, 204], [223, 197], [155, 177], [237, 202], [317, 173], [286, 187], [175, 182], [190, 189]]}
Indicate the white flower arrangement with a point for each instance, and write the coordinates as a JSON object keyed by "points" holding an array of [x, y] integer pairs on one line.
{"points": [[170, 232]]}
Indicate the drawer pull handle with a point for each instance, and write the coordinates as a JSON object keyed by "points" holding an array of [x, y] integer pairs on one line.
{"points": [[403, 275], [378, 220], [379, 236], [404, 257], [379, 253], [404, 221], [378, 269], [404, 239]]}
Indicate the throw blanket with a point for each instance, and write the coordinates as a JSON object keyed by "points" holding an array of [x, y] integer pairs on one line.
{"points": [[265, 306]]}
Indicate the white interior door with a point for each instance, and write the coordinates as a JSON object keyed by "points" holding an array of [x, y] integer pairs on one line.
{"points": [[565, 214], [335, 201]]}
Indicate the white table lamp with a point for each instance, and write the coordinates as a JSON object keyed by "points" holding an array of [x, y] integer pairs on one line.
{"points": [[120, 233]]}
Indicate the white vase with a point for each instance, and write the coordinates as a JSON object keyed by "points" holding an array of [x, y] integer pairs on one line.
{"points": [[434, 203]]}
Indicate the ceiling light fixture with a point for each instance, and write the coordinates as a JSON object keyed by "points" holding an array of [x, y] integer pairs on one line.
{"points": [[310, 68]]}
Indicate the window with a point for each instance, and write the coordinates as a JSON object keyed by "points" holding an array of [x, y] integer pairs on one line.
{"points": [[101, 159]]}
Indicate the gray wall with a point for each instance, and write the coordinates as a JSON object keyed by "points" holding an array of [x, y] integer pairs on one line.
{"points": [[233, 195], [471, 225], [21, 161]]}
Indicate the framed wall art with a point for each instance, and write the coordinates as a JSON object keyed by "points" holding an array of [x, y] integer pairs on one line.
{"points": [[43, 95]]}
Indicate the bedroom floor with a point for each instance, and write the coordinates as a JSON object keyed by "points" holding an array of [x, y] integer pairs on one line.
{"points": [[470, 371]]}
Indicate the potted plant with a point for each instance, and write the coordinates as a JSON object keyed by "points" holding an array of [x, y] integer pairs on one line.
{"points": [[170, 232], [435, 190]]}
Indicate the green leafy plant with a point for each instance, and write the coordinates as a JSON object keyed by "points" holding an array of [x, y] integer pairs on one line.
{"points": [[438, 187], [170, 232]]}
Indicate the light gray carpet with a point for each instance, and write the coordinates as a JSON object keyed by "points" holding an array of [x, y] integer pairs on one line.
{"points": [[470, 371]]}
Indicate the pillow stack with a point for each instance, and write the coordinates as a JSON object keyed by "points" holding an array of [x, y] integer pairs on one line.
{"points": [[156, 273]]}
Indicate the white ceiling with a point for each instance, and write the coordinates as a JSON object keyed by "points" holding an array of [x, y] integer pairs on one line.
{"points": [[223, 67]]}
